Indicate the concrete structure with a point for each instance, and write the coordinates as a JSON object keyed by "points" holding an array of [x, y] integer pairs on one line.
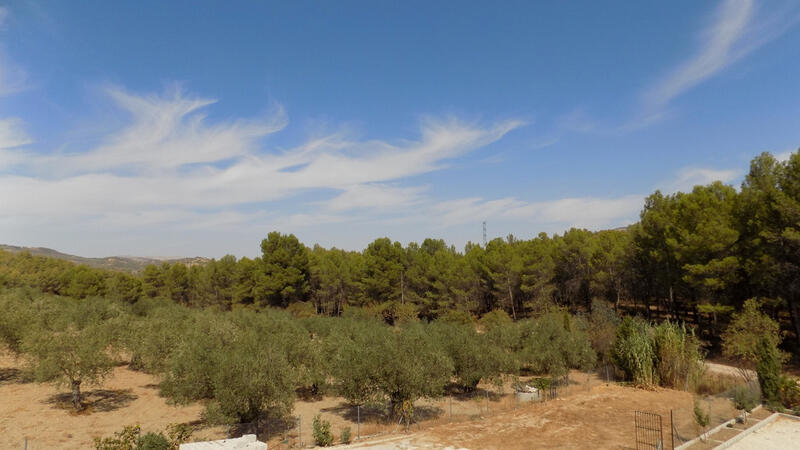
{"points": [[778, 431], [246, 442]]}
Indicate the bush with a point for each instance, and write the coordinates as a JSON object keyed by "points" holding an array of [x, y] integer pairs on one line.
{"points": [[788, 392], [740, 341], [322, 432], [745, 399], [768, 369], [496, 318], [542, 383], [603, 323], [127, 439], [457, 316], [346, 436], [153, 441], [555, 343], [701, 418]]}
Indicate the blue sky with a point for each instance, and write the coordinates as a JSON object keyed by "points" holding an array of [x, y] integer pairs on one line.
{"points": [[195, 128]]}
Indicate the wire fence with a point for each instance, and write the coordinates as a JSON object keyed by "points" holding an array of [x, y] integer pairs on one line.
{"points": [[373, 420]]}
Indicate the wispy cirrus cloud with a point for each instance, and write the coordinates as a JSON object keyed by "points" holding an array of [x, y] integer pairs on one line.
{"points": [[728, 37], [689, 177], [736, 29], [732, 32], [171, 158]]}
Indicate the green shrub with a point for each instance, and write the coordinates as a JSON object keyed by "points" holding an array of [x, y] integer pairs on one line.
{"points": [[701, 418], [788, 392], [555, 343], [127, 439], [603, 323], [346, 436], [322, 432], [542, 383], [768, 369], [153, 441], [745, 399], [457, 316], [741, 339]]}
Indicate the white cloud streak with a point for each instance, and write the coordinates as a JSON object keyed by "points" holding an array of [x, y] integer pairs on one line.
{"points": [[171, 159], [723, 43], [689, 177]]}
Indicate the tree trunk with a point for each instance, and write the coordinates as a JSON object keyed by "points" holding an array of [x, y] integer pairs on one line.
{"points": [[794, 313], [402, 288], [76, 395], [511, 298], [671, 301]]}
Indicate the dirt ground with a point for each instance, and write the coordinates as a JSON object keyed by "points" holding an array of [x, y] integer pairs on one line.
{"points": [[599, 417], [40, 412], [590, 412]]}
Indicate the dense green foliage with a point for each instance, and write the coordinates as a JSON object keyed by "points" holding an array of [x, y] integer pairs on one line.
{"points": [[742, 338], [245, 364], [394, 323], [693, 257], [768, 369]]}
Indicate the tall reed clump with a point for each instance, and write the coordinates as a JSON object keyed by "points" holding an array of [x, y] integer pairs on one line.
{"points": [[679, 361], [633, 351], [666, 354]]}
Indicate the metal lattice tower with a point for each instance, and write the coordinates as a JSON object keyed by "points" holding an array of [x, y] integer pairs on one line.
{"points": [[484, 234]]}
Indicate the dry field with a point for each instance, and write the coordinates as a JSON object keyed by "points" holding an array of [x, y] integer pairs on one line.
{"points": [[41, 413], [599, 418], [591, 413]]}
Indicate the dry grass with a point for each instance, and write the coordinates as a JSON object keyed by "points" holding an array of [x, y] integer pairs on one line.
{"points": [[712, 383]]}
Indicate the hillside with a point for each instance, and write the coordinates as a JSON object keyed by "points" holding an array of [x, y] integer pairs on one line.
{"points": [[120, 263]]}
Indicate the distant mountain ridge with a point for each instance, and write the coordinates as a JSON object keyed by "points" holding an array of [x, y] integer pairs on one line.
{"points": [[130, 264]]}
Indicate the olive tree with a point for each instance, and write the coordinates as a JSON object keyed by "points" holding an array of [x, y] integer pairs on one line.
{"points": [[71, 342], [70, 356], [474, 357], [240, 372]]}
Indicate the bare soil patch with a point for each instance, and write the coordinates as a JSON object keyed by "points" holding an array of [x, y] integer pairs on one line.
{"points": [[42, 413], [600, 417]]}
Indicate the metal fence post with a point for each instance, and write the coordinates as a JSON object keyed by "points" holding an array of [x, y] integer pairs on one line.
{"points": [[451, 408], [671, 429], [358, 415], [300, 431], [487, 402]]}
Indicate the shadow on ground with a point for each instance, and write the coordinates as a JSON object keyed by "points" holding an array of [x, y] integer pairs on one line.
{"points": [[10, 375], [376, 413], [98, 400]]}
